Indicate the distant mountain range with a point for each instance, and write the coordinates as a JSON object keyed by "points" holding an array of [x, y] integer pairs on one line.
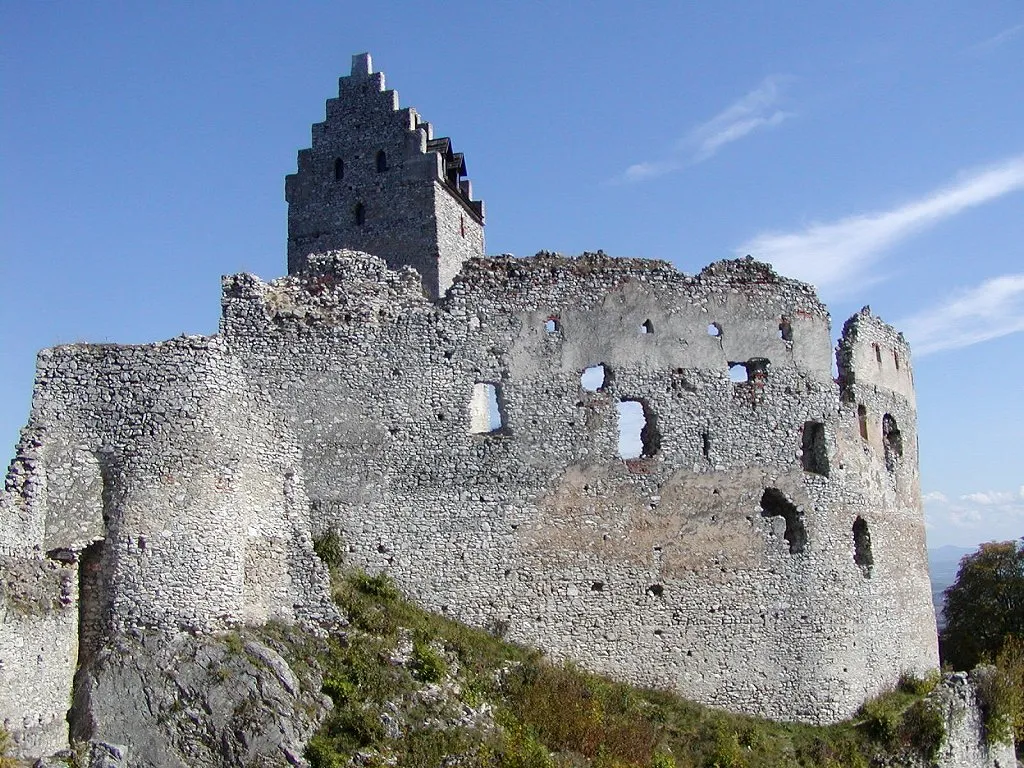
{"points": [[943, 563]]}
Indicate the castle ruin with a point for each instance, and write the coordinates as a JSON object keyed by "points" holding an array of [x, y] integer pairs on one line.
{"points": [[653, 473]]}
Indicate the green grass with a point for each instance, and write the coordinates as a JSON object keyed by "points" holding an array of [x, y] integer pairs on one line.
{"points": [[546, 715]]}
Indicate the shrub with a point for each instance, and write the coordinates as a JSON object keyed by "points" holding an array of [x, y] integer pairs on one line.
{"points": [[428, 666], [330, 549], [6, 761], [999, 696], [924, 728], [918, 686]]}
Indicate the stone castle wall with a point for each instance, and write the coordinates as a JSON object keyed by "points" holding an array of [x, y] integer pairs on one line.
{"points": [[169, 492], [661, 569], [759, 554]]}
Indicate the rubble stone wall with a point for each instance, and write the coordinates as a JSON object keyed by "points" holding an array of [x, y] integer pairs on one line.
{"points": [[660, 569]]}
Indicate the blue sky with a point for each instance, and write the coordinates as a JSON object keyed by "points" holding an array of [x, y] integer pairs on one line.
{"points": [[875, 149]]}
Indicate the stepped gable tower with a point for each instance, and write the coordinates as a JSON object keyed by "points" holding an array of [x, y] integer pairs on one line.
{"points": [[376, 180]]}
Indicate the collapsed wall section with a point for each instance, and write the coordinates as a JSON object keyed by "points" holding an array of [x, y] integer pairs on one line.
{"points": [[475, 450]]}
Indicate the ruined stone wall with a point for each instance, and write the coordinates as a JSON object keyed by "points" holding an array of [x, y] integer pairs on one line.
{"points": [[38, 651], [171, 497], [762, 557], [756, 551]]}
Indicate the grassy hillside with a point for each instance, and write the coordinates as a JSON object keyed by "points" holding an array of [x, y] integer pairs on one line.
{"points": [[411, 688]]}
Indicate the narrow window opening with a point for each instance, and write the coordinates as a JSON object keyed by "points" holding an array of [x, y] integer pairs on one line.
{"points": [[646, 327], [339, 169], [382, 161], [862, 420], [815, 450], [360, 214], [705, 445], [785, 329], [878, 353], [714, 330], [485, 409], [462, 225], [892, 440], [896, 359], [638, 432], [595, 378], [862, 546], [775, 504], [551, 326]]}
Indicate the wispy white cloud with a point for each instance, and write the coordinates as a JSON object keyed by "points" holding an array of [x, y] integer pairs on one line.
{"points": [[997, 40], [836, 256], [992, 309], [974, 517], [756, 111]]}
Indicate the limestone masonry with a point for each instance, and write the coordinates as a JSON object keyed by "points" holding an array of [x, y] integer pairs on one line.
{"points": [[653, 473]]}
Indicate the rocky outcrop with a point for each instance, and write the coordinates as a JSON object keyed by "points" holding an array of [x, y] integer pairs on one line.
{"points": [[182, 700]]}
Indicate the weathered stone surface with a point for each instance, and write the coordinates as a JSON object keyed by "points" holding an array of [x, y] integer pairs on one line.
{"points": [[175, 701]]}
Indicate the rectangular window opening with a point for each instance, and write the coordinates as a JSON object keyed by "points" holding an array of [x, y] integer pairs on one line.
{"points": [[486, 411]]}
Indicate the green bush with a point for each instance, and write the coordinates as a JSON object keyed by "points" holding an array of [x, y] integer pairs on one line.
{"points": [[428, 666], [330, 549], [923, 728], [917, 685]]}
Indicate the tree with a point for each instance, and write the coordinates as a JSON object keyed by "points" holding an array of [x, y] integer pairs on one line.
{"points": [[984, 607]]}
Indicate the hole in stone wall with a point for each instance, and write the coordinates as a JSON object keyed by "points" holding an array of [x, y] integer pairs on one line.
{"points": [[646, 327], [360, 214], [757, 368], [595, 378], [896, 359], [485, 409], [339, 169], [785, 330], [382, 161], [878, 353], [892, 440], [815, 450], [597, 586], [656, 589], [862, 546], [775, 504], [705, 445], [551, 325], [862, 420], [714, 329], [638, 433]]}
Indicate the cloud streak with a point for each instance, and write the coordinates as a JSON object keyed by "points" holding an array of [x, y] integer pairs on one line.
{"points": [[974, 517], [836, 256], [757, 110], [987, 311], [997, 40]]}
